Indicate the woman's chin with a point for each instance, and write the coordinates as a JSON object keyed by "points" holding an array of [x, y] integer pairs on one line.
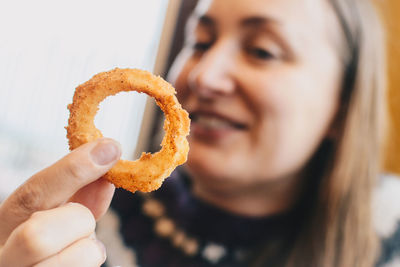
{"points": [[218, 159], [212, 167]]}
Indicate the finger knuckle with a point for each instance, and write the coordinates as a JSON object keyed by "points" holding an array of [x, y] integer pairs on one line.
{"points": [[74, 168], [28, 199], [33, 238], [84, 214]]}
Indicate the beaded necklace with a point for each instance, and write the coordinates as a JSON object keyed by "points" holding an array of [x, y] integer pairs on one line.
{"points": [[166, 228]]}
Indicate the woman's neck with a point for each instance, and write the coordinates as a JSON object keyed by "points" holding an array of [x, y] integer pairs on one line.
{"points": [[254, 201]]}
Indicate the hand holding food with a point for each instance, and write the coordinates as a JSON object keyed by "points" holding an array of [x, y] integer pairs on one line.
{"points": [[147, 173], [50, 220], [38, 229]]}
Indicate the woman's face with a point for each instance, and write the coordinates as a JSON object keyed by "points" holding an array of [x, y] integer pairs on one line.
{"points": [[261, 81]]}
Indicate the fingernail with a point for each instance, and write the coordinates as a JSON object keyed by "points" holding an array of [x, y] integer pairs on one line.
{"points": [[99, 244], [102, 248], [105, 152]]}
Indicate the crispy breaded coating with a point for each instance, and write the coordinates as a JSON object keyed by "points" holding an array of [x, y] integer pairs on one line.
{"points": [[149, 171]]}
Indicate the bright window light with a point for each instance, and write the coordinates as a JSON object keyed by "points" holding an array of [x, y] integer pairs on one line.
{"points": [[47, 48]]}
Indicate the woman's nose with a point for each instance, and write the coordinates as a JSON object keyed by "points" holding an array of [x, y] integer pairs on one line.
{"points": [[212, 75]]}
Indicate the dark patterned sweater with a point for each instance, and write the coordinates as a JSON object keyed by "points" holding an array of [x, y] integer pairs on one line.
{"points": [[170, 227]]}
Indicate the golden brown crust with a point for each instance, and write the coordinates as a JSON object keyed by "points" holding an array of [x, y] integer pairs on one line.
{"points": [[149, 171]]}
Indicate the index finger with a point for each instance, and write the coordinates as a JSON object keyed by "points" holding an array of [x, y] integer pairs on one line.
{"points": [[56, 184]]}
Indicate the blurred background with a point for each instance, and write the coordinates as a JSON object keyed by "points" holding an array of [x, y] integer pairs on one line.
{"points": [[390, 10], [48, 47]]}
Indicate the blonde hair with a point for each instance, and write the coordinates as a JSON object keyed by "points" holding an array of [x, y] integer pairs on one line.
{"points": [[337, 228], [343, 215]]}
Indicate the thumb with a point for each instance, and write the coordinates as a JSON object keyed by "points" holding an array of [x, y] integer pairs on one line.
{"points": [[56, 184]]}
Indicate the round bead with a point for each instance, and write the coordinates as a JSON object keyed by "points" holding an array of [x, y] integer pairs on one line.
{"points": [[153, 208], [164, 227]]}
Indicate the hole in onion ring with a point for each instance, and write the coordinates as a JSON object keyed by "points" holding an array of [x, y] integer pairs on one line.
{"points": [[120, 118]]}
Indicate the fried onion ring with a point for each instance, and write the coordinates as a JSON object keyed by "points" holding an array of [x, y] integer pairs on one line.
{"points": [[149, 171]]}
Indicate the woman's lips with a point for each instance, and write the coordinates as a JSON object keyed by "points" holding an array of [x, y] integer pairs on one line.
{"points": [[214, 126]]}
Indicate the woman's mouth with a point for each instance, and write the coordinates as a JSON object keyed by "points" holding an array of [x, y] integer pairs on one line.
{"points": [[213, 126]]}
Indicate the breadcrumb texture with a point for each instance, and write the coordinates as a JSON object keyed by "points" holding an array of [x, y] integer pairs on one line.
{"points": [[149, 171]]}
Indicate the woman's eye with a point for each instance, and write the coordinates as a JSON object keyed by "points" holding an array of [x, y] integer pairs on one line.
{"points": [[260, 53], [201, 46]]}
